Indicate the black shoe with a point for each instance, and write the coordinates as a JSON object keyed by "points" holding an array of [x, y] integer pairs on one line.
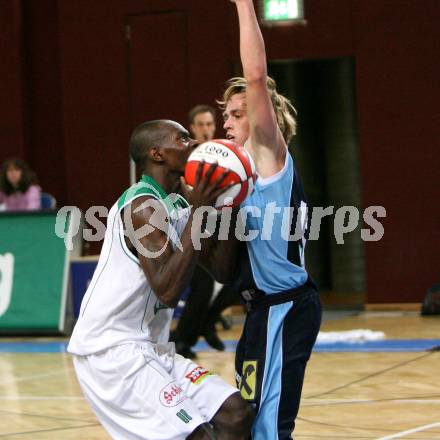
{"points": [[213, 340], [185, 351], [225, 322]]}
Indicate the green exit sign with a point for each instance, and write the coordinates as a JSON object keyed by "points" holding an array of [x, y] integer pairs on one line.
{"points": [[281, 10]]}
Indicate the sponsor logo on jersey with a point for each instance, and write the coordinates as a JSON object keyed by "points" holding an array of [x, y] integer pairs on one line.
{"points": [[248, 380], [171, 395], [184, 416], [198, 374]]}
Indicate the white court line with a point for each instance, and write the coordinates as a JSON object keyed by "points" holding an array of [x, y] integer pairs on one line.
{"points": [[410, 431], [313, 402], [411, 401]]}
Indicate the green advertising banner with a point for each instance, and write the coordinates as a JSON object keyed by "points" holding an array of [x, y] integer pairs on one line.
{"points": [[34, 266]]}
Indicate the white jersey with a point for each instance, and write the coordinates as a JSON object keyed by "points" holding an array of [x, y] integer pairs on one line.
{"points": [[120, 306]]}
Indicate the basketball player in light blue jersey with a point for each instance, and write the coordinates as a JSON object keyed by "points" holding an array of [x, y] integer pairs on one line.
{"points": [[284, 311]]}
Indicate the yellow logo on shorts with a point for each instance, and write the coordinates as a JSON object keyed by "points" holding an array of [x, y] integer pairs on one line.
{"points": [[248, 380]]}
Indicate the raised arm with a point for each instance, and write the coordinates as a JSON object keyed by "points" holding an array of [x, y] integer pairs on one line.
{"points": [[265, 142]]}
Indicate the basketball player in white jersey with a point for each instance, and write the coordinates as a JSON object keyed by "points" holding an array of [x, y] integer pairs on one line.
{"points": [[135, 383]]}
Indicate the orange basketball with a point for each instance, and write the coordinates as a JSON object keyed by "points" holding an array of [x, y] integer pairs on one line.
{"points": [[229, 155]]}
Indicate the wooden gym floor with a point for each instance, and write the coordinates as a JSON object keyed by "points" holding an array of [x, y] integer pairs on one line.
{"points": [[383, 392]]}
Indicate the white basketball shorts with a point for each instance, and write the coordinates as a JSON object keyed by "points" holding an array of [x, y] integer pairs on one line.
{"points": [[142, 391]]}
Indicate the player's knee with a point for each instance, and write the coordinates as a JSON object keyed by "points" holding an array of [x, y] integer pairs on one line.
{"points": [[202, 432], [238, 414]]}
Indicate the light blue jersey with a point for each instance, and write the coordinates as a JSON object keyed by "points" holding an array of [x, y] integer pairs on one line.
{"points": [[274, 261]]}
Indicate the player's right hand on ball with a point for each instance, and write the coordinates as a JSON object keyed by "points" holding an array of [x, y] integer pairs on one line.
{"points": [[205, 191]]}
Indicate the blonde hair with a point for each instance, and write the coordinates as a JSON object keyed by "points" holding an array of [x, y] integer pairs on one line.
{"points": [[284, 110]]}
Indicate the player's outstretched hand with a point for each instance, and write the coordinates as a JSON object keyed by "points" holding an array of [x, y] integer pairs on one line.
{"points": [[204, 192]]}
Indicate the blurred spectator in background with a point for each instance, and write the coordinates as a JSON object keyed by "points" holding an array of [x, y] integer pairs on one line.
{"points": [[202, 122], [18, 186]]}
